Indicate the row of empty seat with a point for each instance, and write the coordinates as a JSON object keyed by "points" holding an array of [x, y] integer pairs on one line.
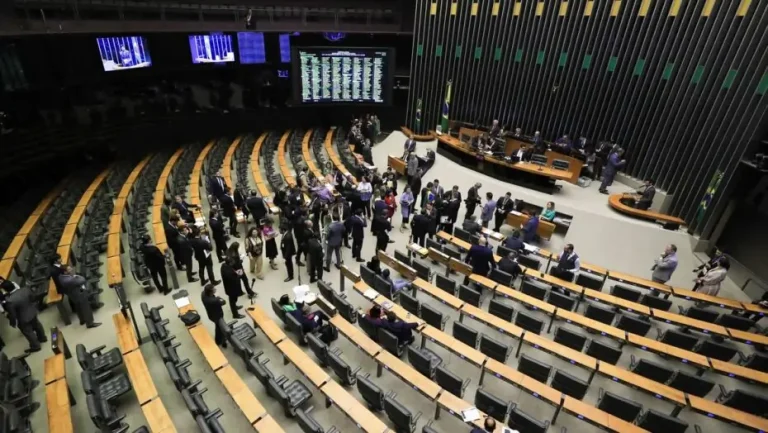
{"points": [[196, 181], [337, 162], [159, 197]]}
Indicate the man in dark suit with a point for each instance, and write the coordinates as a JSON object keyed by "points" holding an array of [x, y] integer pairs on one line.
{"points": [[216, 185], [184, 209], [314, 257], [509, 265], [186, 252], [232, 286], [513, 242], [203, 248], [334, 237], [383, 227], [356, 226], [420, 227], [480, 256], [257, 207], [409, 147], [302, 229], [287, 248], [172, 236], [155, 262], [213, 308], [530, 228], [489, 424], [218, 234], [473, 199], [400, 329], [471, 225], [75, 287], [228, 208], [22, 312], [452, 200], [646, 194], [495, 129], [504, 206], [239, 199]]}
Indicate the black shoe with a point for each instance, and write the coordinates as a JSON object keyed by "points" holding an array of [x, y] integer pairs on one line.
{"points": [[338, 266], [252, 295], [224, 345], [97, 305], [44, 340], [288, 279], [194, 280], [299, 263], [181, 268], [326, 269], [215, 283], [391, 242], [312, 280], [203, 282], [93, 325], [239, 316], [82, 323], [360, 261], [603, 191]]}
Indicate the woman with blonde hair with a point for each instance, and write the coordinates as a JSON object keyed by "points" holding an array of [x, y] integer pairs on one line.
{"points": [[711, 281]]}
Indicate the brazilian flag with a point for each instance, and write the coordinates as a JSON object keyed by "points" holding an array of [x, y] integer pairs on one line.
{"points": [[709, 195], [446, 108], [418, 115]]}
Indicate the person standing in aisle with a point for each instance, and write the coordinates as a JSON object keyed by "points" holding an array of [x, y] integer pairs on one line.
{"points": [[213, 308], [186, 252], [314, 257], [287, 248], [473, 199], [202, 247], [254, 246], [334, 235], [218, 234], [406, 204], [232, 287], [503, 207], [268, 233], [229, 210], [664, 266], [489, 208], [365, 190], [613, 165], [236, 261], [74, 286], [155, 262], [420, 227], [356, 226], [22, 312]]}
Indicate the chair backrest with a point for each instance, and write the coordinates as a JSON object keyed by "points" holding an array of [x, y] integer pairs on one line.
{"points": [[294, 325], [600, 314], [262, 373], [495, 349], [307, 423], [757, 361], [279, 312], [319, 348], [367, 275], [701, 314], [465, 334], [532, 289], [502, 251], [533, 368], [569, 338], [409, 303], [501, 277], [371, 393], [633, 325], [624, 292], [529, 323], [431, 243], [588, 281], [561, 164], [400, 416], [714, 350], [389, 341], [422, 270], [678, 339], [403, 257], [278, 393], [461, 234], [538, 159], [469, 295], [529, 262], [452, 253], [341, 368], [569, 385], [501, 310], [656, 302], [370, 329], [691, 384], [747, 402], [735, 322], [603, 352], [491, 405], [652, 371], [325, 290], [421, 363], [382, 286], [619, 407], [83, 357], [449, 381], [656, 421], [561, 301], [446, 284], [433, 317], [523, 422], [563, 275], [345, 308]]}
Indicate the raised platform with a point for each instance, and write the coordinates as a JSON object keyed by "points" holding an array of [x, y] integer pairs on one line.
{"points": [[670, 222], [418, 137]]}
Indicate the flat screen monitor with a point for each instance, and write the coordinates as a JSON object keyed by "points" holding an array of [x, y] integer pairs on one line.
{"points": [[119, 53], [251, 48], [342, 75], [212, 48]]}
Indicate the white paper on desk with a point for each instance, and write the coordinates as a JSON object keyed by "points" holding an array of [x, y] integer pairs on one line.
{"points": [[530, 248], [470, 414], [514, 212], [497, 236], [182, 302], [387, 305], [300, 293], [371, 294], [415, 247]]}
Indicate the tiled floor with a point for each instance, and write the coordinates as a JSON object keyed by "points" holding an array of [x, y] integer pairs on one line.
{"points": [[600, 236]]}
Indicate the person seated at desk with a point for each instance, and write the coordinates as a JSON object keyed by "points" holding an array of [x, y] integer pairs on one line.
{"points": [[563, 145], [549, 212], [373, 316], [396, 285], [375, 265], [645, 195], [496, 129], [524, 153], [471, 225], [310, 320], [184, 209], [480, 256], [530, 227], [401, 330], [509, 265], [489, 424], [514, 243]]}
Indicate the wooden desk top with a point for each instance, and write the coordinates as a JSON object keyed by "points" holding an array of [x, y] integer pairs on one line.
{"points": [[643, 383], [58, 407], [115, 221], [29, 224], [249, 405], [522, 381], [598, 417], [438, 294], [303, 362], [637, 281], [157, 417], [467, 353], [15, 247], [356, 411], [335, 157], [703, 297], [454, 405], [491, 320], [68, 235], [126, 336], [356, 336], [226, 166], [211, 351], [615, 202], [114, 270], [412, 377], [522, 166], [577, 318], [516, 219], [6, 266], [271, 329], [618, 302], [707, 327], [537, 304], [119, 206], [54, 368], [742, 418], [113, 245], [267, 425], [140, 377], [483, 281]]}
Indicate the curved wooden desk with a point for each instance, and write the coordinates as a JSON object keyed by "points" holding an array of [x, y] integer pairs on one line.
{"points": [[157, 202], [669, 221], [334, 156], [284, 170], [429, 136], [258, 179], [226, 166], [308, 157], [196, 181]]}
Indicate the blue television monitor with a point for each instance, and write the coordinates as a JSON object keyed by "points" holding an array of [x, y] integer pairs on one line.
{"points": [[251, 47], [212, 48], [119, 53]]}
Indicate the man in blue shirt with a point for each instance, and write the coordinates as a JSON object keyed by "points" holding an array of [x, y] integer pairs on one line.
{"points": [[611, 168], [530, 227]]}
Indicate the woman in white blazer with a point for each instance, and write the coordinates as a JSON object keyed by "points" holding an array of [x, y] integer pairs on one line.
{"points": [[710, 282]]}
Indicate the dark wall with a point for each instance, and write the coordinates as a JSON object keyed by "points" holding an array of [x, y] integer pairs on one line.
{"points": [[683, 93]]}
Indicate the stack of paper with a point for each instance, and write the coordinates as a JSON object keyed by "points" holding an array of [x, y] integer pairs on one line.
{"points": [[470, 414], [371, 294], [182, 302]]}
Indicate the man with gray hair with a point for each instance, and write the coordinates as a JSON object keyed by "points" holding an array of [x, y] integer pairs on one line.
{"points": [[473, 199], [664, 266]]}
